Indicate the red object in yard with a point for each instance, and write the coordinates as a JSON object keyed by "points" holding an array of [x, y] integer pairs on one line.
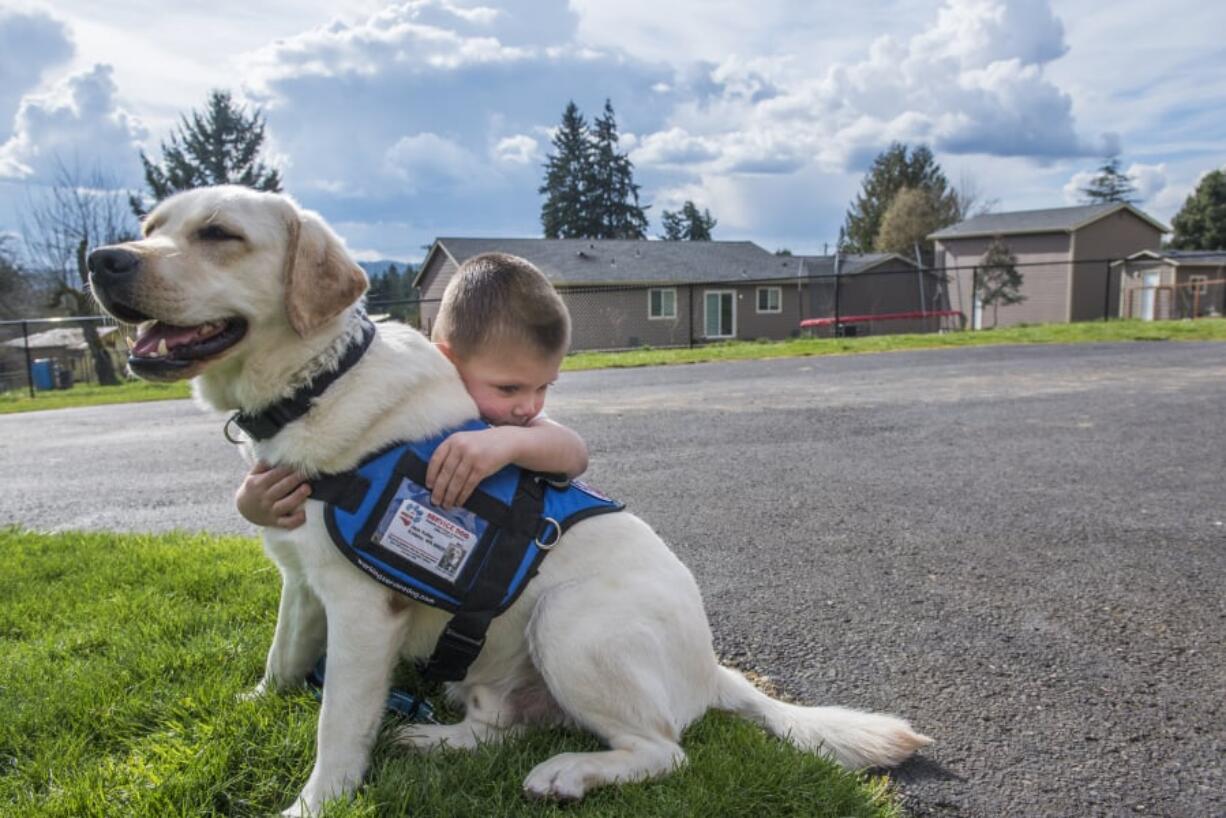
{"points": [[813, 323]]}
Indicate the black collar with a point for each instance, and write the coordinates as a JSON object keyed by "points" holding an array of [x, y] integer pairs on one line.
{"points": [[266, 424]]}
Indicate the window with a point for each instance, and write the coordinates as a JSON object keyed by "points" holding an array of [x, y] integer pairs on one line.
{"points": [[1199, 284], [770, 299], [662, 303]]}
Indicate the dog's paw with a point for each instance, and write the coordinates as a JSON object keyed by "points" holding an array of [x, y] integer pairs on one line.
{"points": [[258, 692], [299, 809], [561, 778]]}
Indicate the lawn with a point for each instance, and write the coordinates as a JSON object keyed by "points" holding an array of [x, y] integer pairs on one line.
{"points": [[1087, 332], [122, 656], [19, 400]]}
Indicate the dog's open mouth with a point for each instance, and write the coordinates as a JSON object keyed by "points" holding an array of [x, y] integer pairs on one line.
{"points": [[163, 350]]}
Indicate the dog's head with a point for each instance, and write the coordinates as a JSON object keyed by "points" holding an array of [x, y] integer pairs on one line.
{"points": [[217, 266]]}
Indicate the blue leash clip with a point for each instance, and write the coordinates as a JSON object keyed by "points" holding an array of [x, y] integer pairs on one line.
{"points": [[405, 705]]}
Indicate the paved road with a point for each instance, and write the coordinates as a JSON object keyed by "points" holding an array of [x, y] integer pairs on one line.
{"points": [[1022, 550]]}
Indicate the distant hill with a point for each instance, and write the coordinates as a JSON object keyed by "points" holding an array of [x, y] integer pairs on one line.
{"points": [[375, 269]]}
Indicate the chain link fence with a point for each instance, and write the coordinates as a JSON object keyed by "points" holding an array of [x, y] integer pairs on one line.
{"points": [[53, 353], [39, 354]]}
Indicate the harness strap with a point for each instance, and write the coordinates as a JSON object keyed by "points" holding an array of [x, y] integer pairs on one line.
{"points": [[266, 424], [345, 490], [464, 636]]}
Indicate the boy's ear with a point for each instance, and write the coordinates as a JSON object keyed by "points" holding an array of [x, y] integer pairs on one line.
{"points": [[321, 281], [446, 349]]}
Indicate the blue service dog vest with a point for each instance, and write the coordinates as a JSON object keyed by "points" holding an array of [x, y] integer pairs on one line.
{"points": [[474, 561]]}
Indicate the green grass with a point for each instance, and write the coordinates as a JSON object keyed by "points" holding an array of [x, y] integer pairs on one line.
{"points": [[121, 657], [1087, 332], [19, 400]]}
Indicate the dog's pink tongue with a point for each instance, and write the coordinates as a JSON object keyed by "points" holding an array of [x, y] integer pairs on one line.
{"points": [[147, 344]]}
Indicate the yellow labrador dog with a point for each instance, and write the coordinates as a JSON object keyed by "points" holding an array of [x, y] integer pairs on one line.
{"points": [[253, 297]]}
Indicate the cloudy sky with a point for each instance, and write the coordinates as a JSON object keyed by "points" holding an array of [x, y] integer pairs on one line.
{"points": [[404, 121]]}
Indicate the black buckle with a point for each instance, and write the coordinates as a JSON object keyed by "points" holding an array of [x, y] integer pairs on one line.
{"points": [[453, 654]]}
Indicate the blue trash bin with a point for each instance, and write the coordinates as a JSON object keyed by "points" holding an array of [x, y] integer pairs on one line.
{"points": [[42, 372]]}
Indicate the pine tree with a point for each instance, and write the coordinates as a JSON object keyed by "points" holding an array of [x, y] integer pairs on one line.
{"points": [[1201, 223], [1110, 185], [614, 211], [892, 171], [219, 147], [589, 185], [688, 224], [997, 280], [564, 215]]}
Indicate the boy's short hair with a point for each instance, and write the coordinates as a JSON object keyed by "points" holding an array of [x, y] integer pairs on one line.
{"points": [[500, 298]]}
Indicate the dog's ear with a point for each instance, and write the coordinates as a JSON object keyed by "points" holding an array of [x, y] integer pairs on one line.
{"points": [[320, 278]]}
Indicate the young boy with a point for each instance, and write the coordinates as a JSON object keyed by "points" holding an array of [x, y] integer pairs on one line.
{"points": [[506, 330]]}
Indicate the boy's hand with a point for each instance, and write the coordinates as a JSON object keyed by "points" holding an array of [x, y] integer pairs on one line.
{"points": [[464, 460], [273, 497]]}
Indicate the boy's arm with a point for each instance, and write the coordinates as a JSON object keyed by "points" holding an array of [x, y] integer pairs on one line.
{"points": [[466, 458], [547, 446]]}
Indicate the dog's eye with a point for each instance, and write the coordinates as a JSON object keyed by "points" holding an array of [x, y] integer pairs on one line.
{"points": [[215, 232]]}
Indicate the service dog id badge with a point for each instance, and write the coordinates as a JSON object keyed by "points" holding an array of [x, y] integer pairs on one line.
{"points": [[438, 540]]}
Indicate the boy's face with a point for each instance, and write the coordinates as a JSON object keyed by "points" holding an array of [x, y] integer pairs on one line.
{"points": [[508, 383]]}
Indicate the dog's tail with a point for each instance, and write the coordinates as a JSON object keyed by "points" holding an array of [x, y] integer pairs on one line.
{"points": [[853, 738]]}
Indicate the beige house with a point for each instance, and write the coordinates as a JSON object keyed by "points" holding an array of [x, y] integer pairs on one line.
{"points": [[1172, 284], [1064, 255], [630, 293]]}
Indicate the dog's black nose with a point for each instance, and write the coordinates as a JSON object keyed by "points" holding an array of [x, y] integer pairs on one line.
{"points": [[112, 265]]}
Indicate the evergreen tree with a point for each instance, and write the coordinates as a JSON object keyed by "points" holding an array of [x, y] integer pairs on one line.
{"points": [[892, 171], [565, 213], [614, 210], [219, 147], [1201, 223], [589, 186], [1110, 185], [997, 280], [688, 224]]}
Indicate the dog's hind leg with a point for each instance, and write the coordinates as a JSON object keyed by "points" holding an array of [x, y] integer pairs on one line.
{"points": [[630, 684], [363, 646]]}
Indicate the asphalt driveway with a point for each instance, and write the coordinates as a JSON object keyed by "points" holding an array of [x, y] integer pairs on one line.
{"points": [[1020, 549]]}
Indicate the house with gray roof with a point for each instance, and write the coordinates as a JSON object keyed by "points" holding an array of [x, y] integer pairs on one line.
{"points": [[625, 293], [1156, 285], [1064, 255]]}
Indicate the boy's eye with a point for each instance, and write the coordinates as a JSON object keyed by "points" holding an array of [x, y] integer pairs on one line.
{"points": [[508, 390]]}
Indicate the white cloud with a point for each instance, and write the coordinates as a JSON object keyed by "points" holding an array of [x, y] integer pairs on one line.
{"points": [[1150, 180], [427, 161], [78, 121], [421, 35], [520, 149], [674, 147]]}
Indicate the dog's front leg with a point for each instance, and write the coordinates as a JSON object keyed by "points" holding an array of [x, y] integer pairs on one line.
{"points": [[299, 639], [363, 644]]}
